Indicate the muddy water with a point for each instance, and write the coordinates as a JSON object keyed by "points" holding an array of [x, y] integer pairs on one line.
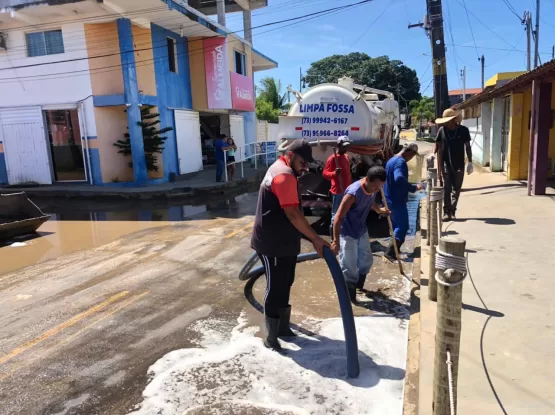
{"points": [[82, 225]]}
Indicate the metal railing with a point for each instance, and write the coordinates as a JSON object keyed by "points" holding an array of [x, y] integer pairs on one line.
{"points": [[253, 149]]}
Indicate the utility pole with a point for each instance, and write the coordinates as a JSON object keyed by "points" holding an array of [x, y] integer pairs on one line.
{"points": [[435, 28], [483, 61], [527, 20], [463, 76], [553, 52], [300, 79], [537, 35]]}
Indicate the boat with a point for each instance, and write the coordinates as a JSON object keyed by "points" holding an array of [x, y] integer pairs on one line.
{"points": [[19, 216]]}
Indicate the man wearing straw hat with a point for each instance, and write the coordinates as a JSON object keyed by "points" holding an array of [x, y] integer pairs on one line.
{"points": [[452, 140]]}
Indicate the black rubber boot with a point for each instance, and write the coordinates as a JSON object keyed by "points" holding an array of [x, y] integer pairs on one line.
{"points": [[284, 322], [361, 281], [390, 254], [272, 327], [352, 290]]}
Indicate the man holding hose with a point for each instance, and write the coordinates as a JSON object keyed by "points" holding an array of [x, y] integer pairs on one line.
{"points": [[276, 236]]}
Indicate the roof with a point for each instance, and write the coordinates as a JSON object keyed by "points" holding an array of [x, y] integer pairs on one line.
{"points": [[525, 79], [468, 91], [503, 76]]}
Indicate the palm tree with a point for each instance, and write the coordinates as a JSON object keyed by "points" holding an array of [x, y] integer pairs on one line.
{"points": [[270, 91], [423, 109]]}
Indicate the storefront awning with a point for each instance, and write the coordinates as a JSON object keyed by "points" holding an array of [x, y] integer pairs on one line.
{"points": [[261, 62]]}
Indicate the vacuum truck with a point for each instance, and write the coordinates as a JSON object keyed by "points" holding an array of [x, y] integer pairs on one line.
{"points": [[328, 111]]}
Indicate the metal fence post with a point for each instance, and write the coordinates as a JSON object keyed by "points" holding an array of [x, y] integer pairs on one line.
{"points": [[266, 150], [256, 156], [225, 165], [435, 195], [450, 276]]}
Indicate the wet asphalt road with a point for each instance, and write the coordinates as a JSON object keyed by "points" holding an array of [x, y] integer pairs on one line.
{"points": [[105, 291]]}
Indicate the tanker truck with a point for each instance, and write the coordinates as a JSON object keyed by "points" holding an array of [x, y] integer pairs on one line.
{"points": [[328, 111]]}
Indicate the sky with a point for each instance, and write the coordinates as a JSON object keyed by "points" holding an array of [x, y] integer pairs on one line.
{"points": [[380, 28]]}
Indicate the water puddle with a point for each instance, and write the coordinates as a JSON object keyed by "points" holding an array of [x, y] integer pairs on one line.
{"points": [[82, 225]]}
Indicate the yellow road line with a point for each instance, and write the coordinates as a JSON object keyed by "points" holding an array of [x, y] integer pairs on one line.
{"points": [[121, 306], [46, 335], [229, 235]]}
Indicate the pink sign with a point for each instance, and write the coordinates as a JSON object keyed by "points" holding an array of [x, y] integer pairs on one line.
{"points": [[242, 92], [216, 62]]}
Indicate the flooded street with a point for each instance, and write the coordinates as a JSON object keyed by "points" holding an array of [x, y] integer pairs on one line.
{"points": [[106, 290]]}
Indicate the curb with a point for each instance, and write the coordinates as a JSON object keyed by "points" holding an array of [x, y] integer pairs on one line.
{"points": [[146, 193]]}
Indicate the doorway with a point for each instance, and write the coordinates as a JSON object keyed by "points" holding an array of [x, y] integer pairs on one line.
{"points": [[66, 150], [505, 133]]}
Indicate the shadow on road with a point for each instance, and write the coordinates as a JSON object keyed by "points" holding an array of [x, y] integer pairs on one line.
{"points": [[490, 221], [496, 186], [485, 311]]}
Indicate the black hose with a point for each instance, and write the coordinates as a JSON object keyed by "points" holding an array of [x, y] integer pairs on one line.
{"points": [[351, 344]]}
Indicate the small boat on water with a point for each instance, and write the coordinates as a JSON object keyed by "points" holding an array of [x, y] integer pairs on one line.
{"points": [[19, 216]]}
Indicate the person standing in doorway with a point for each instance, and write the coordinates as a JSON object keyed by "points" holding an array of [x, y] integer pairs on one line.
{"points": [[231, 158], [338, 171], [396, 191], [276, 236], [221, 146], [452, 141], [350, 231]]}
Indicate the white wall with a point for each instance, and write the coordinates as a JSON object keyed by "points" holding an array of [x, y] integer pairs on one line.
{"points": [[59, 83], [476, 137]]}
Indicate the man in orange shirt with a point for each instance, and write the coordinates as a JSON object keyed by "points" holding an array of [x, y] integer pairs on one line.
{"points": [[340, 177]]}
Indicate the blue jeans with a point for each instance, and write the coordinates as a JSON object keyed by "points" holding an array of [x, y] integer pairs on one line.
{"points": [[220, 166], [355, 257], [335, 202], [400, 221]]}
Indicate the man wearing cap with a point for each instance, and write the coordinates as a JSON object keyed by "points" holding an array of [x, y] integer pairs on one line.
{"points": [[338, 171], [396, 191], [452, 141], [276, 236]]}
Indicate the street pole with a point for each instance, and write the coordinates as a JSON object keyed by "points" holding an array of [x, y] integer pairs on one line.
{"points": [[537, 35], [553, 52], [528, 22], [483, 62], [463, 76], [435, 27], [300, 79]]}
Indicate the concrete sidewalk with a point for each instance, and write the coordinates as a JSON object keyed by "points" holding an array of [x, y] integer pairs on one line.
{"points": [[198, 184], [507, 354]]}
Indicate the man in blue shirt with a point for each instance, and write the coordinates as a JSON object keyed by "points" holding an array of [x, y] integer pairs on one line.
{"points": [[350, 233], [396, 189], [221, 146]]}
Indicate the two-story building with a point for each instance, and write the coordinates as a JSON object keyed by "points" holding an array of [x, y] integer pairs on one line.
{"points": [[76, 76]]}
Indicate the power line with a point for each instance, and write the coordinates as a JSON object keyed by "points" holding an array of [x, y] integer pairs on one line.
{"points": [[470, 26], [448, 19], [482, 23], [374, 22], [163, 46], [120, 66], [512, 9]]}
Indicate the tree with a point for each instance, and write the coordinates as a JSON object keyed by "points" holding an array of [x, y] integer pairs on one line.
{"points": [[265, 112], [423, 109], [153, 140], [379, 72], [270, 91]]}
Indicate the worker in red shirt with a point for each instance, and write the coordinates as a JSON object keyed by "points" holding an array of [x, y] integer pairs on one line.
{"points": [[338, 171]]}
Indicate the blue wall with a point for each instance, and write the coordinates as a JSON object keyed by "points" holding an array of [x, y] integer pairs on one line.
{"points": [[173, 89], [3, 171], [131, 89]]}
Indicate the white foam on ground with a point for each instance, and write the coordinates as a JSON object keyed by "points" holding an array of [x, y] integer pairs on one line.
{"points": [[239, 375]]}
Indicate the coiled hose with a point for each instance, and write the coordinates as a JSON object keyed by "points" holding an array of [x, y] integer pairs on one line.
{"points": [[351, 344]]}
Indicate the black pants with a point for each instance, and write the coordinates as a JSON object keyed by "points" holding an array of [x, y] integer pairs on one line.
{"points": [[280, 275], [452, 184]]}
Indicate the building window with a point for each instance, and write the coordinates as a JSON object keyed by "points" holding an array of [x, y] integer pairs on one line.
{"points": [[44, 43], [172, 54], [240, 63]]}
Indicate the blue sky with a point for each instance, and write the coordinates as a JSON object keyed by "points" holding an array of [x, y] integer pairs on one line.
{"points": [[502, 42]]}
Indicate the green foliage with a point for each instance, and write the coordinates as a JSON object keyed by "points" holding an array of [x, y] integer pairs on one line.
{"points": [[423, 109], [153, 141], [265, 111], [270, 91], [379, 72]]}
